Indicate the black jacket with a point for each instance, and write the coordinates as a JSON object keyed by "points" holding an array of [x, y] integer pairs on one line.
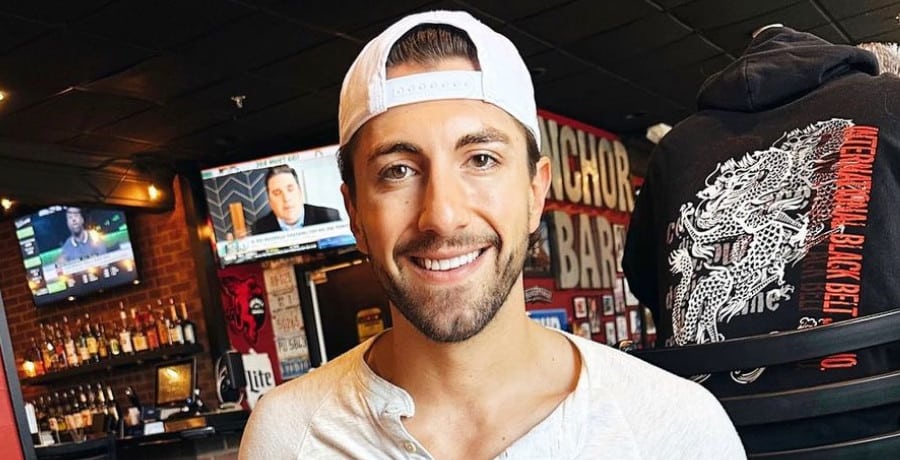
{"points": [[774, 207], [311, 215]]}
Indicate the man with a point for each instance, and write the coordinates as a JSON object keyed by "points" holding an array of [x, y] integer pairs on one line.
{"points": [[443, 181], [287, 202], [81, 243], [774, 208]]}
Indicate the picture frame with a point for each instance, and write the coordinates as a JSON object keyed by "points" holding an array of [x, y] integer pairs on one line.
{"points": [[594, 315], [619, 233], [619, 294], [608, 307], [579, 306], [539, 256], [583, 329], [621, 328], [609, 326]]}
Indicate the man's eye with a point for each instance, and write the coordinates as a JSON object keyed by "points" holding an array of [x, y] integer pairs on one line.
{"points": [[483, 161], [396, 172]]}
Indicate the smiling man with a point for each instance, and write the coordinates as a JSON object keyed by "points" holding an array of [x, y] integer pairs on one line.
{"points": [[444, 183]]}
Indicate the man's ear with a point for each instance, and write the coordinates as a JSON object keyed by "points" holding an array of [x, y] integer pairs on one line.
{"points": [[350, 205], [540, 184]]}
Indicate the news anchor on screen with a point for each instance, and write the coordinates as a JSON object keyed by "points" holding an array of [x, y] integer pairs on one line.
{"points": [[287, 202], [81, 243]]}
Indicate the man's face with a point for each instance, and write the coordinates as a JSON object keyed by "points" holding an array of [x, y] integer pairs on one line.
{"points": [[443, 207], [74, 220], [285, 197]]}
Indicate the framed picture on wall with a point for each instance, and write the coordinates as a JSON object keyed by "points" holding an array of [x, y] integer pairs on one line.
{"points": [[621, 328], [608, 308], [583, 329], [579, 305], [610, 327], [594, 315], [538, 259], [619, 245], [619, 294]]}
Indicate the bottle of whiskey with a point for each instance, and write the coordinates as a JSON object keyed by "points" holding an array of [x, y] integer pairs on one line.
{"points": [[125, 341], [102, 342], [93, 347], [188, 326], [81, 344], [150, 330], [138, 339], [176, 333], [71, 351], [59, 346], [162, 329], [115, 347]]}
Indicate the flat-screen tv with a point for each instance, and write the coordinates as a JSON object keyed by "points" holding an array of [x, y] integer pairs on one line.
{"points": [[73, 251], [275, 206]]}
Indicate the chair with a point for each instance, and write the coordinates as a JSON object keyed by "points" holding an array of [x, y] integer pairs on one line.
{"points": [[759, 412]]}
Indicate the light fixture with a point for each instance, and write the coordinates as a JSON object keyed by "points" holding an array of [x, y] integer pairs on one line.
{"points": [[6, 203], [2, 95], [153, 192]]}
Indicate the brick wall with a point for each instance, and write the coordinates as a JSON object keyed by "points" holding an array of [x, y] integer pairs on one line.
{"points": [[166, 269]]}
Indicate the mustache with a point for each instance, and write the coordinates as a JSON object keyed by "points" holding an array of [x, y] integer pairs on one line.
{"points": [[431, 241]]}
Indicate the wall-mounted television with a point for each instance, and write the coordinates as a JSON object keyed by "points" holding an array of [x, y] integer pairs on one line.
{"points": [[278, 205], [73, 251]]}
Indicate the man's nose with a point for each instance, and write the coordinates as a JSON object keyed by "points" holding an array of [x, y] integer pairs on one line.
{"points": [[445, 204]]}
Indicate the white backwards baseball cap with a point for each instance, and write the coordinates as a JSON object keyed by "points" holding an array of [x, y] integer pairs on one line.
{"points": [[503, 80]]}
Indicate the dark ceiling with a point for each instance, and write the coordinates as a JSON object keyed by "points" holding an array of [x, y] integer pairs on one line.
{"points": [[103, 94]]}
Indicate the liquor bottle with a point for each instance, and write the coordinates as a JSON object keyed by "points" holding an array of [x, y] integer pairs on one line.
{"points": [[91, 340], [36, 356], [111, 405], [115, 348], [59, 345], [133, 421], [81, 344], [125, 341], [71, 352], [102, 342], [188, 326], [176, 333], [150, 330], [138, 339], [46, 352], [162, 329]]}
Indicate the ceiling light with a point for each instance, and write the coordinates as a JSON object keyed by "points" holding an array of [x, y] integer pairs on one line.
{"points": [[153, 192], [5, 203], [2, 95]]}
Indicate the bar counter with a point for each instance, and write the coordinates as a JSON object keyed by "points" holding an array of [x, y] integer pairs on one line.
{"points": [[219, 438]]}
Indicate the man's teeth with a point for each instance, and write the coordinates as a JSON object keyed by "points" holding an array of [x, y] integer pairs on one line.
{"points": [[449, 264]]}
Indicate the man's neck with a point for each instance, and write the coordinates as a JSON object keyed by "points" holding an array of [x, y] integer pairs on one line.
{"points": [[510, 347], [487, 391]]}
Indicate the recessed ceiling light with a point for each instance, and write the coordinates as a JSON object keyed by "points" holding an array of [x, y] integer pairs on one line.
{"points": [[2, 95]]}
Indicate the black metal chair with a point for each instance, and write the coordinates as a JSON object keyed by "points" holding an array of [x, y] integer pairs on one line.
{"points": [[757, 411]]}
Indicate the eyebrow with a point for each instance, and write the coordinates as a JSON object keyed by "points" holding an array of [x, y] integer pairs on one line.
{"points": [[484, 136]]}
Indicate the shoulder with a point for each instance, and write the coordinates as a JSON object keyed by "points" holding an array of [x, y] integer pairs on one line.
{"points": [[323, 210], [280, 423], [266, 223], [660, 408]]}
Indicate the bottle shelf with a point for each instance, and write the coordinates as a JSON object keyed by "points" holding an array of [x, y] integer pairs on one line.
{"points": [[117, 362]]}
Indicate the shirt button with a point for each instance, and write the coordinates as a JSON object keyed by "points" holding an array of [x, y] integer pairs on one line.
{"points": [[410, 447]]}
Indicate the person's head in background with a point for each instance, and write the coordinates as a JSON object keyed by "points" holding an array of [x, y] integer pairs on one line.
{"points": [[285, 193], [75, 221], [888, 55], [443, 188]]}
